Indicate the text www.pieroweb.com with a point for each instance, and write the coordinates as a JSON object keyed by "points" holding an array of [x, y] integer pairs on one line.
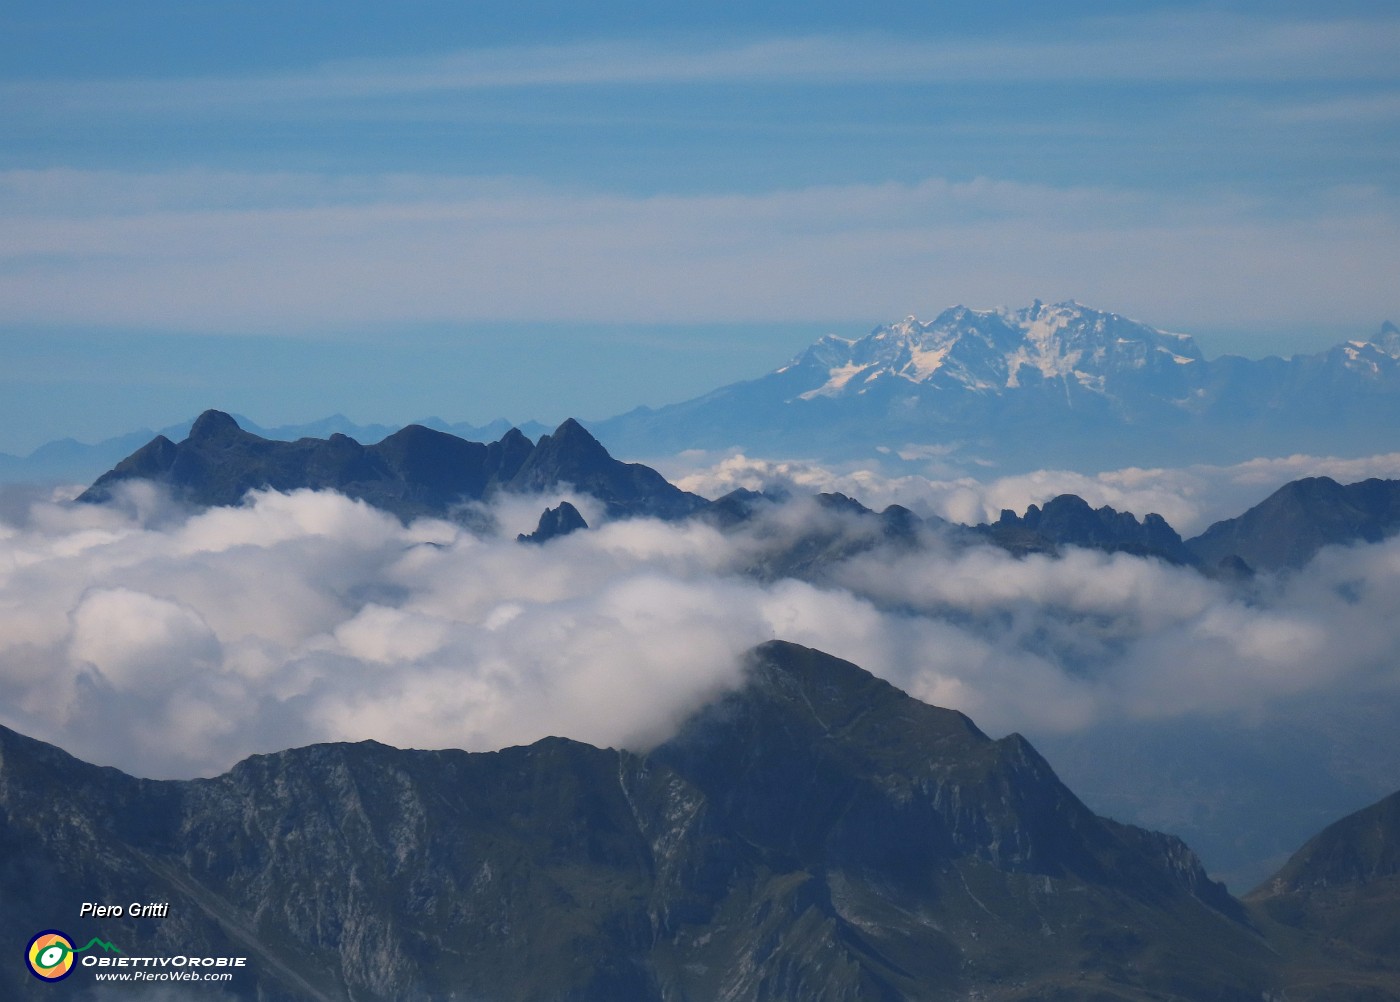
{"points": [[163, 976]]}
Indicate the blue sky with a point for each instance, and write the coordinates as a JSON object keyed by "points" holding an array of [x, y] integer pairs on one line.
{"points": [[543, 209]]}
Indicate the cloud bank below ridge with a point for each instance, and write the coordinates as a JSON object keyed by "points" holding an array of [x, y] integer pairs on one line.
{"points": [[173, 644]]}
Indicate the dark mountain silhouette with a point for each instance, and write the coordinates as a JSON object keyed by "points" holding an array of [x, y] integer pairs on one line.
{"points": [[572, 456], [418, 471], [70, 461], [833, 528], [817, 835], [1287, 528], [414, 472], [555, 522], [1068, 520], [740, 506]]}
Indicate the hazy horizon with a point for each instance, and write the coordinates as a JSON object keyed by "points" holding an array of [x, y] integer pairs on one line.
{"points": [[483, 211], [260, 378]]}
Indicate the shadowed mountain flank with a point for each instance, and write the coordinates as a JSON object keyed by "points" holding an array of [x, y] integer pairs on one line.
{"points": [[1287, 528], [1335, 906], [814, 835]]}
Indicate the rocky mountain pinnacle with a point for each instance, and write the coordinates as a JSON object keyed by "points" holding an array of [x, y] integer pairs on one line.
{"points": [[555, 522]]}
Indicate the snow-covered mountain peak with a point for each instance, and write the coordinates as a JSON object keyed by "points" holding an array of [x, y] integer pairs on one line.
{"points": [[992, 351], [828, 351]]}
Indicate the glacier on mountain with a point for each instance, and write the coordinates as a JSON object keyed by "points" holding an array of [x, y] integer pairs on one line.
{"points": [[989, 351], [1019, 389]]}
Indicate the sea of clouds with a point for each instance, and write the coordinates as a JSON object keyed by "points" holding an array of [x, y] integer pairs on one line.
{"points": [[1190, 498], [172, 643]]}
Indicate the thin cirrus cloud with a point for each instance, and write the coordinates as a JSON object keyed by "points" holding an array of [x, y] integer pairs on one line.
{"points": [[1168, 210], [1148, 48], [210, 251], [1366, 108]]}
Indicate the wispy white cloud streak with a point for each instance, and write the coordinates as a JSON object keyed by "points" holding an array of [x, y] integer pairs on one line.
{"points": [[1148, 48], [240, 252]]}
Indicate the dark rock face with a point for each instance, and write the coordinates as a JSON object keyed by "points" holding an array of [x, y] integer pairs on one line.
{"points": [[555, 522], [1287, 528], [1068, 520], [414, 472], [817, 835], [572, 456]]}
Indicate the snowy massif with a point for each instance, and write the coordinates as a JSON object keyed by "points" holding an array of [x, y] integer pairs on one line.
{"points": [[1063, 384]]}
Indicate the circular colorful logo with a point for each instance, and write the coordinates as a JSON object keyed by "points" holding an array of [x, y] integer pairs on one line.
{"points": [[50, 956]]}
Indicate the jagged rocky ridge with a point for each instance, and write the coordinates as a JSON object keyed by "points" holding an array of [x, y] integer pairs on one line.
{"points": [[70, 461], [415, 471], [816, 835], [1068, 520], [418, 471]]}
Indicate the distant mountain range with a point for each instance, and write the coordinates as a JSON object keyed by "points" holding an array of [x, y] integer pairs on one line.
{"points": [[1243, 799], [71, 461], [1004, 390], [1045, 386], [413, 472], [417, 471], [816, 836]]}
